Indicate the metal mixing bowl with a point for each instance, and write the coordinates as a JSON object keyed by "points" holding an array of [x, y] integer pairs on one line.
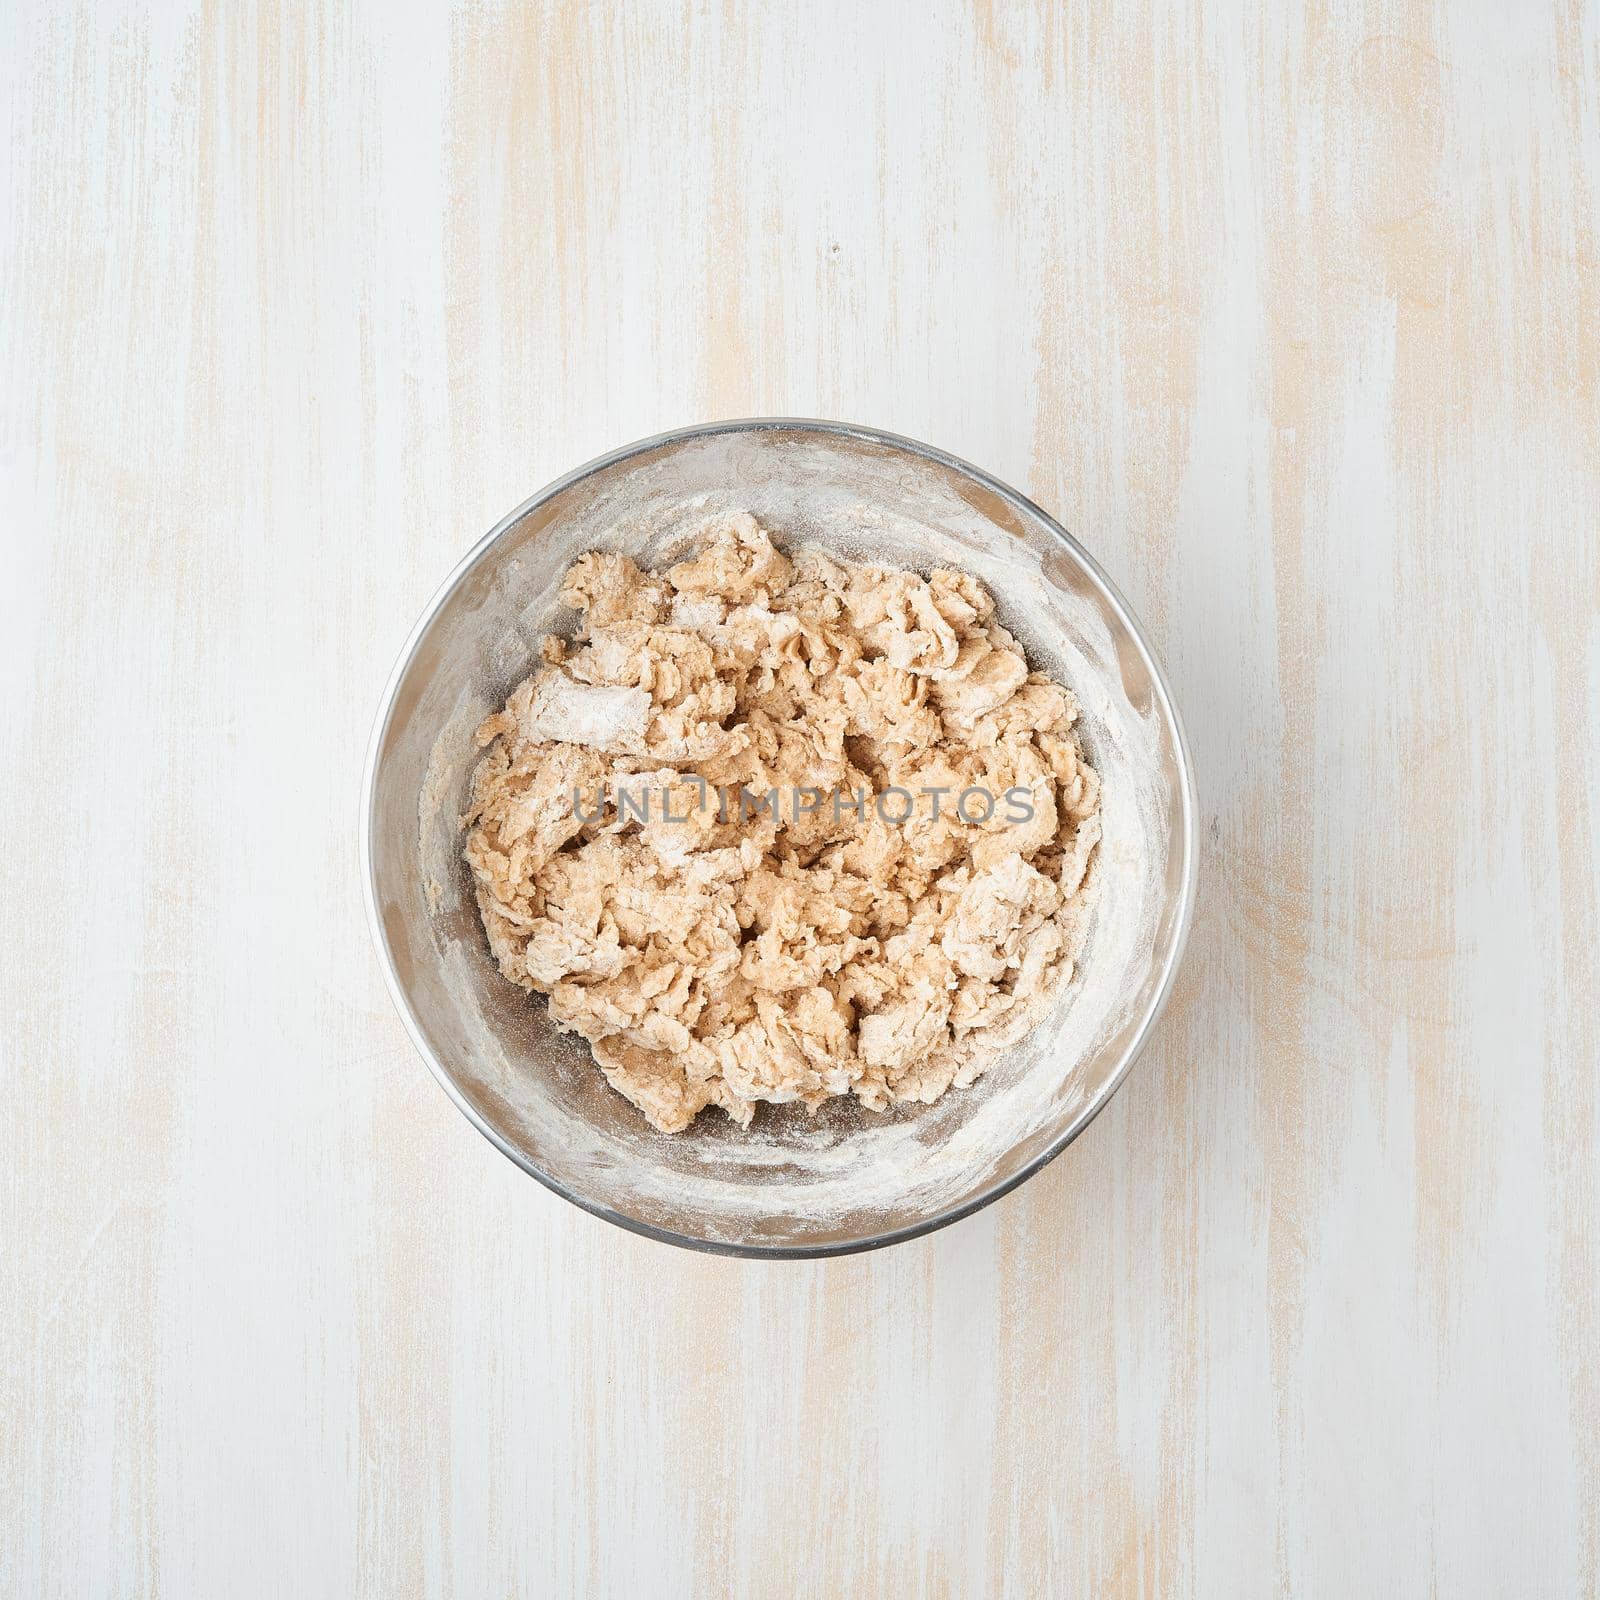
{"points": [[793, 1185]]}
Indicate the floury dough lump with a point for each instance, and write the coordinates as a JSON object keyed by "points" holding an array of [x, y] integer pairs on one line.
{"points": [[783, 827]]}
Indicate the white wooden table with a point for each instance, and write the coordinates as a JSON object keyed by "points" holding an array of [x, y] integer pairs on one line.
{"points": [[1293, 314]]}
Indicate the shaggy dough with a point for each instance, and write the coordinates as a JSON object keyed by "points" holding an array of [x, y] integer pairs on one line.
{"points": [[725, 954]]}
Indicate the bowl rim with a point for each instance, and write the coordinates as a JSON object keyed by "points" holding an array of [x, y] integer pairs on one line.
{"points": [[1188, 806]]}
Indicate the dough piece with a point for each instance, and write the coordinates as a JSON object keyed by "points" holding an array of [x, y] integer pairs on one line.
{"points": [[682, 830]]}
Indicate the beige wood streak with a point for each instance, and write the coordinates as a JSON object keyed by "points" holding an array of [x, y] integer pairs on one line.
{"points": [[1292, 312]]}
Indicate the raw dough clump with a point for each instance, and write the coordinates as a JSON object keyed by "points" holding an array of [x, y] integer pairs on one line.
{"points": [[686, 830]]}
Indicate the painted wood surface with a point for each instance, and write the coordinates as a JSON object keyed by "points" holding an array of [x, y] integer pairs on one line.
{"points": [[1292, 312]]}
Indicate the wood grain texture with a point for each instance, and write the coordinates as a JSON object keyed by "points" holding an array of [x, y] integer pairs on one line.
{"points": [[1292, 312]]}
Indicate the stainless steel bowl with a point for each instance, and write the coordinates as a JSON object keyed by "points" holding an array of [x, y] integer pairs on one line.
{"points": [[794, 1185]]}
